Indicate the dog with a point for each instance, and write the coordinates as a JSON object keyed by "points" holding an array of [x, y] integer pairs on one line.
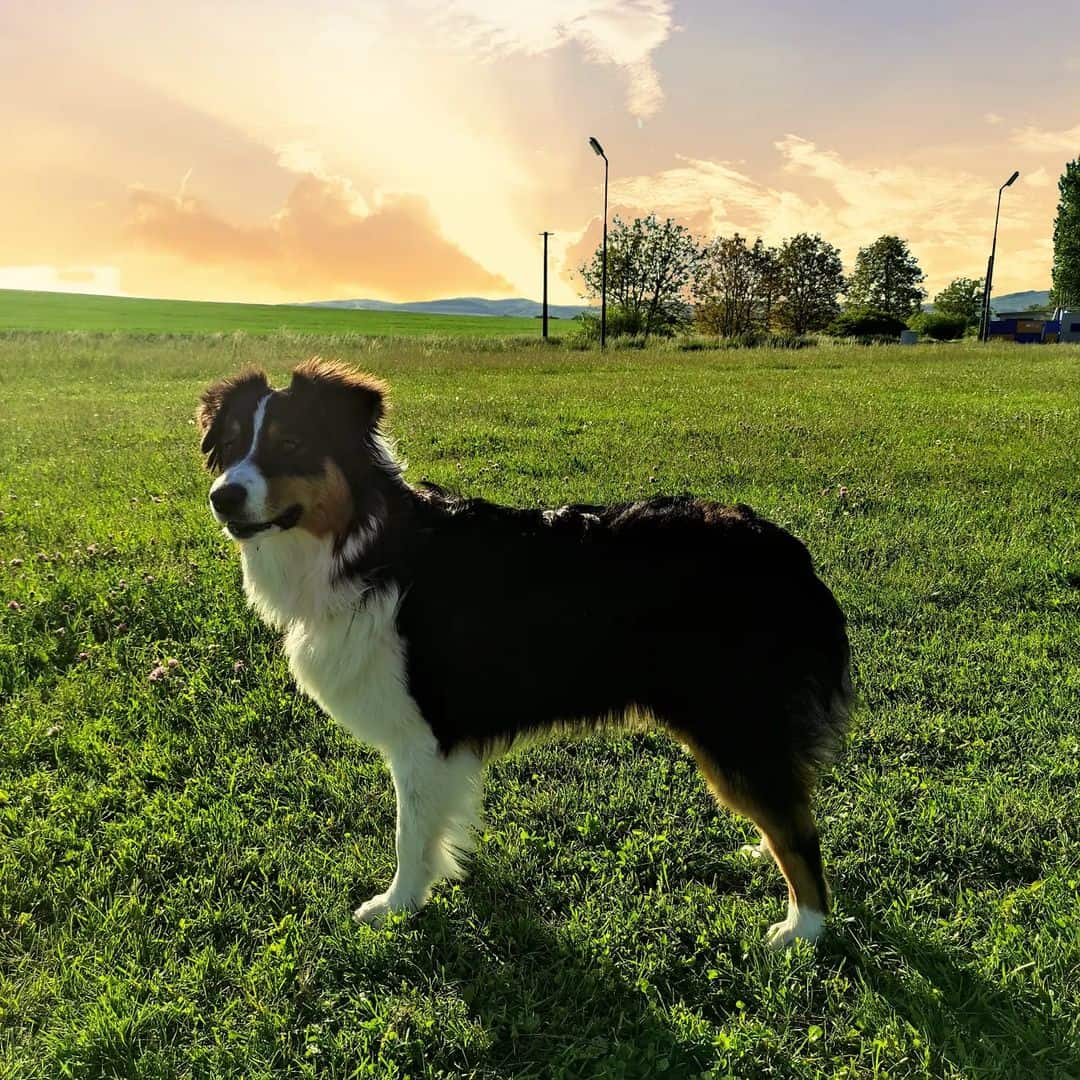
{"points": [[443, 629]]}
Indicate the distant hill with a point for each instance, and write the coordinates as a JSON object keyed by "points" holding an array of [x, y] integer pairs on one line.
{"points": [[518, 308], [28, 310], [1015, 301], [1021, 301]]}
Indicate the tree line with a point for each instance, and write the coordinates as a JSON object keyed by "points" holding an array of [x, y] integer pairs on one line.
{"points": [[662, 278]]}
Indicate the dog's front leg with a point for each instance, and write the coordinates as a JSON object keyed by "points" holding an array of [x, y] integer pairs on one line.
{"points": [[438, 801]]}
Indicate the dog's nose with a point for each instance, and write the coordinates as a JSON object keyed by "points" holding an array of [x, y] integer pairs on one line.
{"points": [[228, 498]]}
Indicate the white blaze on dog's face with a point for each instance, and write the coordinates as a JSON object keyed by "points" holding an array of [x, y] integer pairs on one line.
{"points": [[295, 458]]}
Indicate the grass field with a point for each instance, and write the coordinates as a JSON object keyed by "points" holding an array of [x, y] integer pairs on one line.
{"points": [[26, 310], [180, 855]]}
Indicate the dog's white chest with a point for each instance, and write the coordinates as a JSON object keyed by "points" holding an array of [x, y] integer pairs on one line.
{"points": [[342, 642], [352, 664]]}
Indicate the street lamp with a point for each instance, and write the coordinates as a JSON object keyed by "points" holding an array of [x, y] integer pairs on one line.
{"points": [[599, 151], [984, 329]]}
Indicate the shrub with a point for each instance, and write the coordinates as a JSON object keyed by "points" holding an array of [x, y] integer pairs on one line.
{"points": [[792, 341], [751, 340], [867, 323], [939, 325], [620, 324]]}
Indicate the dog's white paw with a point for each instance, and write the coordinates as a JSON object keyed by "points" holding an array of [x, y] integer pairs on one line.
{"points": [[805, 924], [374, 911], [755, 851]]}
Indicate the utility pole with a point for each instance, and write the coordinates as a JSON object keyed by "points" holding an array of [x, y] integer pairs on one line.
{"points": [[545, 234]]}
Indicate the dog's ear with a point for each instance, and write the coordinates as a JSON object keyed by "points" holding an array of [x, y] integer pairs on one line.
{"points": [[329, 384], [214, 408]]}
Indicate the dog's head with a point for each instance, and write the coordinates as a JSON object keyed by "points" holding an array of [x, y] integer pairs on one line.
{"points": [[303, 457]]}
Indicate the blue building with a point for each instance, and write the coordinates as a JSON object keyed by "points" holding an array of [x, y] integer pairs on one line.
{"points": [[1033, 328]]}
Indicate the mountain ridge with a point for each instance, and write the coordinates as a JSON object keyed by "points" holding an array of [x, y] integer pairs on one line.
{"points": [[518, 307], [1021, 301], [521, 307]]}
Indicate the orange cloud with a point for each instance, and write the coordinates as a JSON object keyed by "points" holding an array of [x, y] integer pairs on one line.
{"points": [[323, 240]]}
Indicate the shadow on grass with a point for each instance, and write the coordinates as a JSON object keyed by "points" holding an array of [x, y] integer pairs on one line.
{"points": [[556, 1008], [550, 1007], [967, 1022]]}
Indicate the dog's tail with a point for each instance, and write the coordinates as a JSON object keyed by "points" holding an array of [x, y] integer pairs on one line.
{"points": [[826, 721]]}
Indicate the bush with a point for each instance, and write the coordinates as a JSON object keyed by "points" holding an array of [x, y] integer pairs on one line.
{"points": [[752, 340], [792, 341], [867, 323], [939, 325], [620, 324]]}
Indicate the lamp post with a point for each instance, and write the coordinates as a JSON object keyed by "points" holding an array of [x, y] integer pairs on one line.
{"points": [[984, 329], [599, 151]]}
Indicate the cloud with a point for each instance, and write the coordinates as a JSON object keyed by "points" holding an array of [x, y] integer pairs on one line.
{"points": [[624, 33], [578, 251], [322, 240], [933, 205], [1039, 178], [1040, 140], [993, 118]]}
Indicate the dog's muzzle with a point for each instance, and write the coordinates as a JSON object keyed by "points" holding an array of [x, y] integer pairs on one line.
{"points": [[244, 530]]}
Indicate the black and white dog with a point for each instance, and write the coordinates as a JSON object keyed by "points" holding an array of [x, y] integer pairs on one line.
{"points": [[441, 629]]}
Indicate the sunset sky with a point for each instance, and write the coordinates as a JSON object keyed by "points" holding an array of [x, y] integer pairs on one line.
{"points": [[409, 149]]}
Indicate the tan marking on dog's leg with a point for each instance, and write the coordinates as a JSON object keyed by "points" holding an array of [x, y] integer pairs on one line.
{"points": [[790, 835], [793, 841]]}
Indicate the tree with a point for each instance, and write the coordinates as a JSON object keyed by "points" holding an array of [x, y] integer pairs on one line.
{"points": [[887, 278], [736, 286], [770, 284], [1066, 268], [650, 265], [811, 280], [962, 297]]}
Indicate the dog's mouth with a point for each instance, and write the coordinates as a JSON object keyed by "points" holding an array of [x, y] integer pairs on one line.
{"points": [[244, 530]]}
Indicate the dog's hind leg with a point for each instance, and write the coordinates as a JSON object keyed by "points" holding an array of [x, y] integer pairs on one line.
{"points": [[792, 837], [438, 805], [781, 810]]}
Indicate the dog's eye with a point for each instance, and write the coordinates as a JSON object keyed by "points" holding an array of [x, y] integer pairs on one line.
{"points": [[289, 446]]}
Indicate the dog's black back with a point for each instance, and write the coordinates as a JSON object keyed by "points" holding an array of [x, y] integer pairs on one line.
{"points": [[707, 617]]}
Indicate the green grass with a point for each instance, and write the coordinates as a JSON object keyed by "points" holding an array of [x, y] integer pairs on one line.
{"points": [[26, 310], [179, 858]]}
